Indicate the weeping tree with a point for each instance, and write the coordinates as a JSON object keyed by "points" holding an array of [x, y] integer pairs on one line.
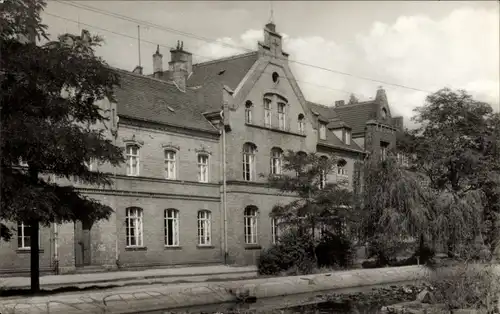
{"points": [[394, 207], [319, 205], [456, 147], [48, 118]]}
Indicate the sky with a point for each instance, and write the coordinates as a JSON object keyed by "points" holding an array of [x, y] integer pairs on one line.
{"points": [[421, 45]]}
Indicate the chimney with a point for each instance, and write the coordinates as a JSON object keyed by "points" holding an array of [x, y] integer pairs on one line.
{"points": [[138, 70], [273, 42], [381, 97], [339, 103], [180, 65], [157, 63]]}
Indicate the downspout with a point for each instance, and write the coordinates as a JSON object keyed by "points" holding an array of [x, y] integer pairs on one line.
{"points": [[224, 202], [116, 120], [56, 244]]}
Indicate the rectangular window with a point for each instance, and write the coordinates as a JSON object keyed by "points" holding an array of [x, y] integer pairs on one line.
{"points": [[251, 226], [348, 137], [202, 168], [171, 227], [276, 159], [248, 163], [267, 112], [133, 225], [282, 116], [248, 115], [322, 131], [132, 153], [275, 230], [23, 236], [204, 227], [170, 164]]}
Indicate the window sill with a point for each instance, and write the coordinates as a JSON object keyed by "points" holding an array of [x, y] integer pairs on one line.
{"points": [[27, 251], [136, 248], [173, 247], [252, 247], [205, 247]]}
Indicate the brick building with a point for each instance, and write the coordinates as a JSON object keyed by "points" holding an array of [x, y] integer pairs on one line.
{"points": [[196, 139]]}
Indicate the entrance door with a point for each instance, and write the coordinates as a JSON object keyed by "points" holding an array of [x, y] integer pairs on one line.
{"points": [[82, 243]]}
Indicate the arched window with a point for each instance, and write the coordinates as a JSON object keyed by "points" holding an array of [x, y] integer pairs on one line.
{"points": [[250, 217], [248, 111], [203, 168], [323, 173], [276, 161], [301, 124], [170, 164], [204, 227], [133, 227], [249, 161], [282, 116], [267, 112], [341, 167], [132, 156], [171, 227]]}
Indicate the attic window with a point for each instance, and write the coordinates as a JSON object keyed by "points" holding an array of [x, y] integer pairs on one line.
{"points": [[170, 108], [276, 77], [384, 113]]}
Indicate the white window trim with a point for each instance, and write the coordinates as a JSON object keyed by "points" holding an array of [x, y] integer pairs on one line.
{"points": [[23, 236], [276, 169], [301, 126], [201, 165], [205, 224], [168, 161], [275, 230], [249, 162], [342, 171], [176, 227], [248, 115], [268, 120], [282, 116], [322, 131], [252, 222], [129, 157], [138, 227]]}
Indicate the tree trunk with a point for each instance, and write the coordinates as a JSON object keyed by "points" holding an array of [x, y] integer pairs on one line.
{"points": [[35, 252]]}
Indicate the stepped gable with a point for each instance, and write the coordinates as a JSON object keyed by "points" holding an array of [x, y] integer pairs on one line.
{"points": [[148, 99]]}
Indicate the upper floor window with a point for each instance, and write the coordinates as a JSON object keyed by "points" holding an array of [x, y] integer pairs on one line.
{"points": [[249, 161], [132, 154], [275, 230], [276, 161], [267, 112], [204, 227], [134, 227], [202, 168], [322, 131], [341, 167], [170, 164], [282, 116], [301, 124], [171, 227], [248, 111], [250, 217], [348, 137]]}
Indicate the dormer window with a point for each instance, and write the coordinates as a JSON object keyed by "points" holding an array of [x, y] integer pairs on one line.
{"points": [[347, 136], [322, 131], [384, 113]]}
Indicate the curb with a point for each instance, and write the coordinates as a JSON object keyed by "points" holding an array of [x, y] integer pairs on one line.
{"points": [[166, 297]]}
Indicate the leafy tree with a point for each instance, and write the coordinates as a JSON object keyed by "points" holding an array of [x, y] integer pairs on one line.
{"points": [[353, 99], [48, 120], [319, 204], [456, 147]]}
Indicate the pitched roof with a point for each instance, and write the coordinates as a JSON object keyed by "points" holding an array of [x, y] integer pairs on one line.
{"points": [[146, 98], [228, 71], [333, 141], [356, 115]]}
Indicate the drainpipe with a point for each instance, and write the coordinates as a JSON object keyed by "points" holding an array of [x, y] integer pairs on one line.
{"points": [[116, 120], [56, 246], [224, 203]]}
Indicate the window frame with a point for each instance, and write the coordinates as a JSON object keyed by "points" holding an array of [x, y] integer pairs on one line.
{"points": [[248, 112], [249, 161], [175, 218], [267, 112], [275, 230], [170, 161], [322, 131], [282, 115], [204, 222], [301, 125], [250, 216], [134, 214], [25, 235], [129, 156], [276, 157], [341, 170], [200, 165]]}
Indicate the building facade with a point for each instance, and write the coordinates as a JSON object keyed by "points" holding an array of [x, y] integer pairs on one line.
{"points": [[199, 140]]}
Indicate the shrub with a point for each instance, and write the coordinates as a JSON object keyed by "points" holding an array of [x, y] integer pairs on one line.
{"points": [[335, 250], [293, 252]]}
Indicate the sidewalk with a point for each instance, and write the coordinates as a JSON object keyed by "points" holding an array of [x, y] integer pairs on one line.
{"points": [[163, 275]]}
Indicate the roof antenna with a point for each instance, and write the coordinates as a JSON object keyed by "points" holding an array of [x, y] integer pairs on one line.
{"points": [[271, 17]]}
